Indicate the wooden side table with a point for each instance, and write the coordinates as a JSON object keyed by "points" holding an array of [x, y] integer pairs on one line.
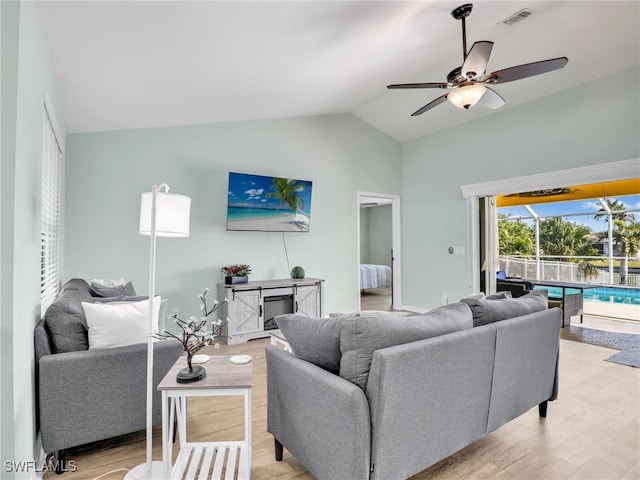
{"points": [[223, 378], [277, 339]]}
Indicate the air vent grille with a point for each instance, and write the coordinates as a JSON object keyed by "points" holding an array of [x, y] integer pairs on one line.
{"points": [[516, 17]]}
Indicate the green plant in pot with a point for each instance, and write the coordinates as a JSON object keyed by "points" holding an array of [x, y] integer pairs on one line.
{"points": [[237, 273]]}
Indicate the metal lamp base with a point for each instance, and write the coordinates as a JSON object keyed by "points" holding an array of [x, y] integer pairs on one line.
{"points": [[142, 472]]}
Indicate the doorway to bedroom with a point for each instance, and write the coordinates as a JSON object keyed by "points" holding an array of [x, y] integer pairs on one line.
{"points": [[378, 251]]}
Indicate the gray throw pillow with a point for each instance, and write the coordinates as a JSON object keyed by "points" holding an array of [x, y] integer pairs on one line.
{"points": [[316, 340], [76, 284], [121, 290], [361, 336], [494, 308], [66, 323]]}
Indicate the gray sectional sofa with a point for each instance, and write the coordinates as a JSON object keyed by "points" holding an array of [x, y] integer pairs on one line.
{"points": [[384, 398], [86, 395]]}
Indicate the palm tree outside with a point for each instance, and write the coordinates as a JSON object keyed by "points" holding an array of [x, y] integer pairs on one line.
{"points": [[626, 233], [618, 211], [561, 238], [626, 236]]}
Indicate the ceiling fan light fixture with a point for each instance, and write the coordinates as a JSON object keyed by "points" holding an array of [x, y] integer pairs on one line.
{"points": [[467, 96]]}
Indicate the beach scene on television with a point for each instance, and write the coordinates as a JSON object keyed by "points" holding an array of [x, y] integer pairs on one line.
{"points": [[268, 204]]}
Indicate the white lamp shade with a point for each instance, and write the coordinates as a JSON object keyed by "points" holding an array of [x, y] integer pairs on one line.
{"points": [[467, 96], [172, 214]]}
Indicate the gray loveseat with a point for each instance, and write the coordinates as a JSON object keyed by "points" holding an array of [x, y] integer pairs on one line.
{"points": [[89, 395], [384, 398]]}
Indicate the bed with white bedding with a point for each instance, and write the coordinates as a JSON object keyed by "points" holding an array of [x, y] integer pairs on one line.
{"points": [[374, 276]]}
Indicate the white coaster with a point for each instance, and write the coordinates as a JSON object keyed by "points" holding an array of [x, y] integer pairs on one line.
{"points": [[200, 358], [240, 359]]}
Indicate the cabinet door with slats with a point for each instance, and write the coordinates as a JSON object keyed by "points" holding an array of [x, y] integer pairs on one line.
{"points": [[307, 300], [244, 312]]}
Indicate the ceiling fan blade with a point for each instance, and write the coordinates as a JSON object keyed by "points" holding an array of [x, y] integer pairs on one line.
{"points": [[491, 99], [527, 70], [419, 85], [475, 65], [430, 105]]}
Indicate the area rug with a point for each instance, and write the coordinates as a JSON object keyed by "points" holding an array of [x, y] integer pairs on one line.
{"points": [[627, 342], [625, 358]]}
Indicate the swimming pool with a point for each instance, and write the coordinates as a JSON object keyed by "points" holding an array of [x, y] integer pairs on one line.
{"points": [[620, 295]]}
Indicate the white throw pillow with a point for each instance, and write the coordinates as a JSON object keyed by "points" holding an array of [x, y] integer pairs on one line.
{"points": [[107, 282], [115, 325]]}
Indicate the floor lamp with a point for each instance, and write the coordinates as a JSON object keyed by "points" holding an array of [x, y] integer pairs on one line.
{"points": [[162, 214]]}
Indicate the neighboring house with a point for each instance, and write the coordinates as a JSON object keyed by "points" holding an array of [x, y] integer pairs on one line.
{"points": [[106, 172], [602, 245]]}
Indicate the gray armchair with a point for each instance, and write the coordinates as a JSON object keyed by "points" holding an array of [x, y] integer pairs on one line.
{"points": [[89, 395]]}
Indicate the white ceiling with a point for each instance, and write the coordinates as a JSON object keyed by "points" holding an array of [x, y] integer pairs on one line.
{"points": [[122, 64]]}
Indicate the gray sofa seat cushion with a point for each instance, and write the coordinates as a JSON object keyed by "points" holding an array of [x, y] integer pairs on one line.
{"points": [[494, 308], [316, 340], [361, 336]]}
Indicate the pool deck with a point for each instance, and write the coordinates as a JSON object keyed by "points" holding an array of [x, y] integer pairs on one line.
{"points": [[611, 317]]}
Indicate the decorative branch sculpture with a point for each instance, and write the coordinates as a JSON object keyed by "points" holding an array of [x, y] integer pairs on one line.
{"points": [[195, 337]]}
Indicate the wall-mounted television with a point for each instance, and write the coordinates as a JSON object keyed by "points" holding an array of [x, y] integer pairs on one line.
{"points": [[268, 204]]}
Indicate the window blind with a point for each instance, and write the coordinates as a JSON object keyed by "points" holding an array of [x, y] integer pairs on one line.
{"points": [[50, 216]]}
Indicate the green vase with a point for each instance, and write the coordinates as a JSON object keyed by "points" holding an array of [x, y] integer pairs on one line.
{"points": [[297, 273]]}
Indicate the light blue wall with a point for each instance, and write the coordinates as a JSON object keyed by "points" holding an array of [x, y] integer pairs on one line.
{"points": [[380, 235], [107, 172], [364, 235], [27, 75], [9, 19], [592, 124], [375, 235]]}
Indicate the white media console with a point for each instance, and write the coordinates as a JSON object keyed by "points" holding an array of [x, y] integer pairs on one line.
{"points": [[251, 307]]}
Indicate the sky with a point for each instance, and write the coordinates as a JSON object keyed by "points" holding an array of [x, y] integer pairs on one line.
{"points": [[250, 191], [631, 202]]}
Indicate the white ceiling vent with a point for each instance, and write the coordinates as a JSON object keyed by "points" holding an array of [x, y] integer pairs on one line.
{"points": [[516, 17]]}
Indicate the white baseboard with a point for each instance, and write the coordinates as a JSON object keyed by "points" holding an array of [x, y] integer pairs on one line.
{"points": [[410, 308], [38, 474]]}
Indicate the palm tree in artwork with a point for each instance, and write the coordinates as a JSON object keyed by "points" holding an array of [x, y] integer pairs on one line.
{"points": [[286, 191]]}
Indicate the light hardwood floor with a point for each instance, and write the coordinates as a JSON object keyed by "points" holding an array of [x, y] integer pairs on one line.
{"points": [[591, 432], [376, 299]]}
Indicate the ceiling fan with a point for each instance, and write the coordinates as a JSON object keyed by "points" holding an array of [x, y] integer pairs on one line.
{"points": [[469, 83]]}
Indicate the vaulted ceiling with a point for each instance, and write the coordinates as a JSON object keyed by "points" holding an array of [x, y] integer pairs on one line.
{"points": [[123, 64]]}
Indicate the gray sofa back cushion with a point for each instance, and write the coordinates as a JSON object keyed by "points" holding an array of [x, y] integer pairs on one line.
{"points": [[361, 336], [428, 399], [316, 340], [118, 291], [65, 320], [492, 309]]}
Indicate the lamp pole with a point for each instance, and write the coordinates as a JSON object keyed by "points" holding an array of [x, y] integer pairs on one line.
{"points": [[174, 222]]}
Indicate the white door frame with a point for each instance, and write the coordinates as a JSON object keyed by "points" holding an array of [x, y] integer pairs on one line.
{"points": [[395, 244]]}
